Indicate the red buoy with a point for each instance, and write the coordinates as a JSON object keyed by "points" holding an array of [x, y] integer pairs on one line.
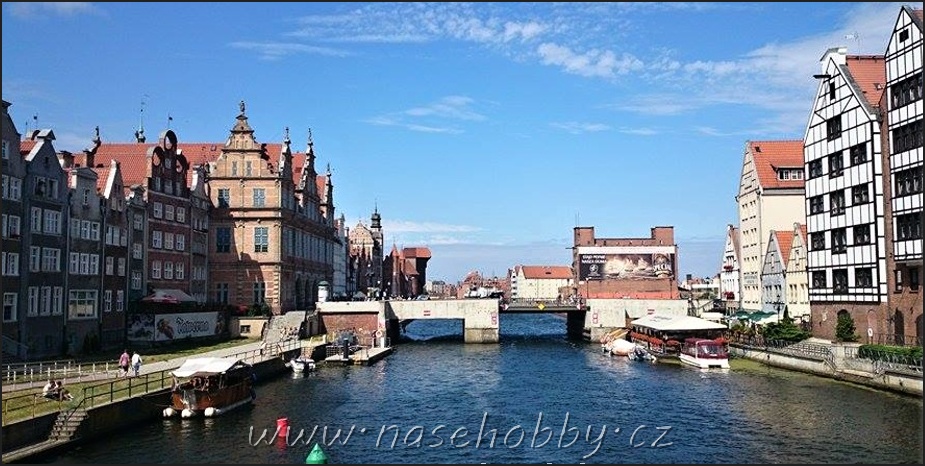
{"points": [[282, 426]]}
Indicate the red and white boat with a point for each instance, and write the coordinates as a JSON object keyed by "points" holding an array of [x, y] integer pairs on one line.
{"points": [[703, 353]]}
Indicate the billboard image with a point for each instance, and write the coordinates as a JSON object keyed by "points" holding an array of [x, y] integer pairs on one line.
{"points": [[167, 327], [626, 262]]}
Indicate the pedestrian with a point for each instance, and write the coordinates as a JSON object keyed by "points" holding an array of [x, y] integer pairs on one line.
{"points": [[136, 363], [123, 363]]}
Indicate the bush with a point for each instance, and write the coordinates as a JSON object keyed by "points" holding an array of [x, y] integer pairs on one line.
{"points": [[844, 329], [785, 330], [884, 352]]}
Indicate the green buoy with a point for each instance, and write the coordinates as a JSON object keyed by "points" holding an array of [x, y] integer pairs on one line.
{"points": [[316, 456]]}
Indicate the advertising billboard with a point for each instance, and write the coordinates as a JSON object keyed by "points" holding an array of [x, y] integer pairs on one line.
{"points": [[168, 327], [626, 262]]}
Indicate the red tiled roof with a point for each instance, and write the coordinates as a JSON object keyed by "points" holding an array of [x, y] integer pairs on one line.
{"points": [[918, 14], [547, 271], [320, 182], [417, 253], [102, 176], [25, 146], [784, 242], [770, 155], [869, 73]]}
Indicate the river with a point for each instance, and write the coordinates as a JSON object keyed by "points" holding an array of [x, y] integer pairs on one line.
{"points": [[535, 398]]}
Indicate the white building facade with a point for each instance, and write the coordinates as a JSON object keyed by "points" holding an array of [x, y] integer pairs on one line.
{"points": [[797, 285], [729, 275]]}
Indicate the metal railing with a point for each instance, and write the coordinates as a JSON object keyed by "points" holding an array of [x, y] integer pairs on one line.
{"points": [[34, 373], [893, 339]]}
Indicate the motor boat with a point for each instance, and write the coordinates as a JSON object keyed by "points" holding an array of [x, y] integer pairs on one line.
{"points": [[301, 365]]}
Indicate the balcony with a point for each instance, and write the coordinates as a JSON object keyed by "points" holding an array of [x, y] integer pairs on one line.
{"points": [[727, 267]]}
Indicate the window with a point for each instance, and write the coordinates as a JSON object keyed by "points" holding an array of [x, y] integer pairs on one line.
{"points": [[85, 229], [839, 240], [51, 260], [908, 181], [11, 264], [168, 241], [234, 168], [840, 281], [862, 234], [248, 169], [74, 268], [107, 301], [180, 271], [221, 293], [261, 239], [53, 222], [817, 241], [260, 197], [158, 210], [94, 264], [816, 205], [907, 137], [904, 35], [831, 91], [110, 265], [137, 251], [860, 194], [224, 197], [168, 270], [35, 219], [120, 301], [796, 174], [908, 90], [168, 212], [35, 258], [120, 268], [898, 280], [260, 292], [819, 279], [15, 189], [85, 264], [833, 128], [909, 226], [12, 226], [32, 309], [86, 197], [81, 304], [136, 280], [836, 164], [10, 302], [181, 242], [863, 277], [783, 174], [837, 202], [858, 154], [139, 221], [6, 155], [913, 278], [181, 214], [157, 239], [57, 301], [156, 270], [223, 239]]}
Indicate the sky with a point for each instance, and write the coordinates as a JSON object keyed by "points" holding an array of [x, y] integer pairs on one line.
{"points": [[485, 132]]}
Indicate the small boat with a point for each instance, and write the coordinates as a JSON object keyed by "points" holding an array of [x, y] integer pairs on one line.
{"points": [[210, 386], [300, 365], [704, 353], [621, 347], [641, 354]]}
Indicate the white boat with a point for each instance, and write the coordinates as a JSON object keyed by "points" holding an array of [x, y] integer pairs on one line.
{"points": [[641, 354], [703, 353], [300, 365], [621, 347]]}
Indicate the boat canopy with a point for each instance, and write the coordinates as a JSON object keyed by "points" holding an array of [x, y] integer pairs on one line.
{"points": [[676, 323], [204, 366]]}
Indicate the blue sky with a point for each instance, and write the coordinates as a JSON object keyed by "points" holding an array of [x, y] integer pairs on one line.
{"points": [[485, 132]]}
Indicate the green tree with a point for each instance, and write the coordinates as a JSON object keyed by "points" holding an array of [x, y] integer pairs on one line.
{"points": [[844, 329]]}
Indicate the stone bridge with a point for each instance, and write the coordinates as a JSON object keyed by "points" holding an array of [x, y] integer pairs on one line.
{"points": [[481, 316]]}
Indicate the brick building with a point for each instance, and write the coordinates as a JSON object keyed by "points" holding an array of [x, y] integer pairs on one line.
{"points": [[635, 268]]}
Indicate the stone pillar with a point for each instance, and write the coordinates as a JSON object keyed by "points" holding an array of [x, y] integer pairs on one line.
{"points": [[480, 335], [575, 325]]}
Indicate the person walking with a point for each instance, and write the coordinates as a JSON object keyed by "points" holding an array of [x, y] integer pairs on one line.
{"points": [[136, 363], [123, 363]]}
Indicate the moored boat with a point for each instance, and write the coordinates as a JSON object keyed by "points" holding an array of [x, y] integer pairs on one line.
{"points": [[210, 386], [703, 353]]}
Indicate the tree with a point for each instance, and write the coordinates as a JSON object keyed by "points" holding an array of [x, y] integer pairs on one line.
{"points": [[844, 329]]}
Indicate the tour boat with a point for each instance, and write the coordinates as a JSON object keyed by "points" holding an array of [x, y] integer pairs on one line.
{"points": [[300, 365], [703, 353], [210, 386]]}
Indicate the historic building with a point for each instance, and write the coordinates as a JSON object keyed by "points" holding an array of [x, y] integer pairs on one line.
{"points": [[406, 272], [797, 281], [634, 268], [344, 280], [12, 283], [770, 198], [729, 275], [115, 252], [903, 134], [541, 282], [846, 262], [271, 242], [366, 253], [774, 272]]}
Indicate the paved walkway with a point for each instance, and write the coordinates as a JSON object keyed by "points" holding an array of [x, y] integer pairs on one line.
{"points": [[145, 368]]}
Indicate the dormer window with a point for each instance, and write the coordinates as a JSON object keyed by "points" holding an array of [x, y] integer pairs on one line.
{"points": [[789, 173]]}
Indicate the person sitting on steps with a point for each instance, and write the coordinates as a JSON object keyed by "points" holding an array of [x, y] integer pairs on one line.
{"points": [[50, 390]]}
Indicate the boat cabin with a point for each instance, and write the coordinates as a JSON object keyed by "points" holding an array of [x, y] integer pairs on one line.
{"points": [[665, 335]]}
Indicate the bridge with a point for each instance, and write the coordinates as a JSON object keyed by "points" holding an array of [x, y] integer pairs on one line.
{"points": [[589, 320]]}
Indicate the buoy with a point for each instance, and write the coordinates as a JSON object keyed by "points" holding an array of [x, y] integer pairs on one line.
{"points": [[282, 427], [316, 456], [169, 412], [187, 413]]}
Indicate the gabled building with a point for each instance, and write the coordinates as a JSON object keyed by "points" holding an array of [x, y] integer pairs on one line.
{"points": [[770, 198], [845, 223], [45, 196], [797, 284], [116, 252], [12, 282], [541, 282], [903, 134], [366, 253], [774, 272], [406, 270], [729, 290]]}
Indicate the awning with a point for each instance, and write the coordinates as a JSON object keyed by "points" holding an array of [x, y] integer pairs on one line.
{"points": [[677, 323], [169, 296], [204, 366]]}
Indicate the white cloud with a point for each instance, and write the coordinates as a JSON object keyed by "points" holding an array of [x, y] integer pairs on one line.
{"points": [[277, 50], [639, 131], [409, 226], [593, 63], [575, 127], [32, 9], [448, 108], [454, 107]]}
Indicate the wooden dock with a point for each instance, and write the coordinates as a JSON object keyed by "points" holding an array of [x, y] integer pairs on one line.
{"points": [[361, 357]]}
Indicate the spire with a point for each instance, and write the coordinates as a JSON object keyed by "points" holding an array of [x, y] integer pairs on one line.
{"points": [[242, 135], [140, 132], [285, 157], [376, 218]]}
